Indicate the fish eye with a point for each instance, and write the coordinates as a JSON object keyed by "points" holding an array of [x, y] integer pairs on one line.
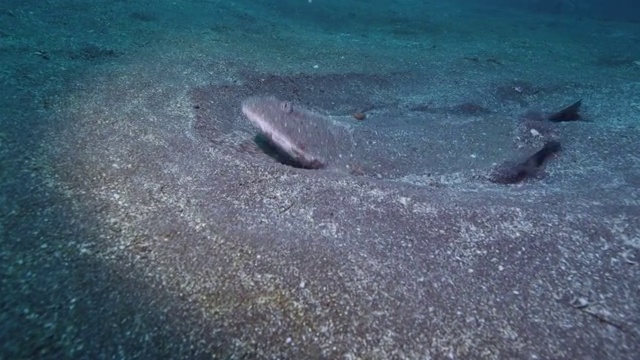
{"points": [[286, 106]]}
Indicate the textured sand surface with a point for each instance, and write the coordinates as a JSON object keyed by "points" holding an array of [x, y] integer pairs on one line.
{"points": [[141, 218]]}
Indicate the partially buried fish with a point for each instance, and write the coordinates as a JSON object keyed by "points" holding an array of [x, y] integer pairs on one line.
{"points": [[311, 140]]}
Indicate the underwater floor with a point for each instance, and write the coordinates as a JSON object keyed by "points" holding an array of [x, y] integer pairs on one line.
{"points": [[141, 216]]}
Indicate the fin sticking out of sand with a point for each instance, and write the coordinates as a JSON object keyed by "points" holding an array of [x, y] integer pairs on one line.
{"points": [[515, 172], [570, 113]]}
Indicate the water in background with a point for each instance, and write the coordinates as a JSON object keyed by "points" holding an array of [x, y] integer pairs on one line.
{"points": [[111, 248]]}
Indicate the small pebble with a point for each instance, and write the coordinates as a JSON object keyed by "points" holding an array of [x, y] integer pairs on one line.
{"points": [[579, 302], [359, 116]]}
